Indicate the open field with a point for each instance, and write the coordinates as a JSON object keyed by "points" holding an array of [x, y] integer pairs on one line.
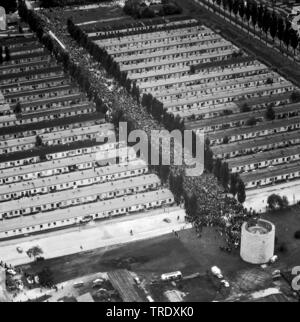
{"points": [[148, 259], [287, 223]]}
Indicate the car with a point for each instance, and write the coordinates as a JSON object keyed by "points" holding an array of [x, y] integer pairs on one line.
{"points": [[78, 284], [30, 280], [217, 272], [20, 250], [273, 259], [137, 280], [97, 282], [11, 272], [225, 283]]}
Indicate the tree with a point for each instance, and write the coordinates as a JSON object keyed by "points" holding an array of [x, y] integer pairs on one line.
{"points": [[266, 22], [294, 40], [225, 175], [280, 30], [270, 113], [7, 53], [241, 192], [284, 202], [277, 202], [235, 7], [260, 18], [225, 5], [217, 168], [254, 14], [226, 140], [34, 252], [164, 172], [287, 34], [18, 108], [191, 205], [38, 141], [147, 13], [242, 9], [245, 108], [230, 6], [273, 26], [295, 96], [248, 14], [251, 121], [234, 179], [208, 159], [1, 55]]}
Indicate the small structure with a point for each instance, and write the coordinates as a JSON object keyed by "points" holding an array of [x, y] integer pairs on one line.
{"points": [[85, 298], [258, 241]]}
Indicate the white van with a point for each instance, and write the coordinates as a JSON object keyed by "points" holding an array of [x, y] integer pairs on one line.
{"points": [[171, 276]]}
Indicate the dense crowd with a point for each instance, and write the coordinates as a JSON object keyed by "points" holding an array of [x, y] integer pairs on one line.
{"points": [[215, 208]]}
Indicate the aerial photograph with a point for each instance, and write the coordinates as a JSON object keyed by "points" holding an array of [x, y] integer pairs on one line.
{"points": [[149, 153]]}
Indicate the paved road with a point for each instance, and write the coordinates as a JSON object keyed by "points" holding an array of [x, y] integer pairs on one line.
{"points": [[257, 198], [102, 234]]}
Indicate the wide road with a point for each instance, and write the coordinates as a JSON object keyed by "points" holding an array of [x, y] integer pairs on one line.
{"points": [[96, 235]]}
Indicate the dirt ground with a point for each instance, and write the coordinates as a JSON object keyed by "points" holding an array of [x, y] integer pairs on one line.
{"points": [[188, 254], [287, 223]]}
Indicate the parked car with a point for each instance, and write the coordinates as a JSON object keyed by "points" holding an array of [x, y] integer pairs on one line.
{"points": [[11, 272], [217, 272]]}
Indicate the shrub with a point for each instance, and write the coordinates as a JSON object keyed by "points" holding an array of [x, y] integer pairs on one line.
{"points": [[297, 234]]}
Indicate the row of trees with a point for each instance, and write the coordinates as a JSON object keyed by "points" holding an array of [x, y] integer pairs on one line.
{"points": [[176, 186], [76, 71], [157, 110], [259, 15]]}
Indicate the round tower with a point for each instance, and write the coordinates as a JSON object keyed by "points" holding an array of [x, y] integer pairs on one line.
{"points": [[257, 241]]}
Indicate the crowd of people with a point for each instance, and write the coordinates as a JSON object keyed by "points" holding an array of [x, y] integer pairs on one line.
{"points": [[215, 207]]}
